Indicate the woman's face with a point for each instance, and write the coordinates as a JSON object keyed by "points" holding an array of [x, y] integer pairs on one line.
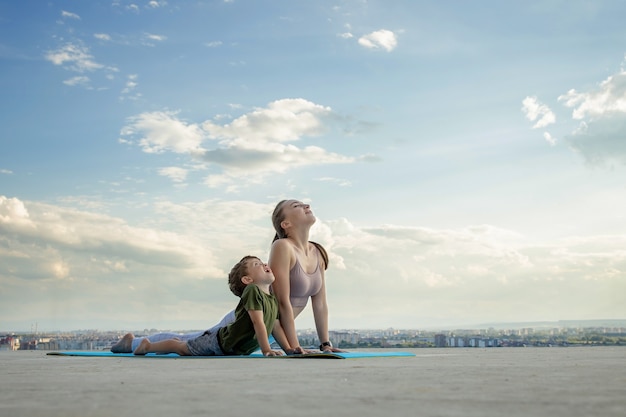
{"points": [[296, 212]]}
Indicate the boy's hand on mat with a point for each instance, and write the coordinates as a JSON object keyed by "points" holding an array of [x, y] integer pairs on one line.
{"points": [[273, 353]]}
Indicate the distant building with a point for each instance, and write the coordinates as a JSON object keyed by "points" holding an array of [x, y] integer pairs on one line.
{"points": [[441, 340], [9, 343], [337, 338]]}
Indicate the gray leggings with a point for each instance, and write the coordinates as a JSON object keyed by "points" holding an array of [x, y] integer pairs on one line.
{"points": [[157, 337]]}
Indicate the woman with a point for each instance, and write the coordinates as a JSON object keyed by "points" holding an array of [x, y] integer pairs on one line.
{"points": [[298, 266]]}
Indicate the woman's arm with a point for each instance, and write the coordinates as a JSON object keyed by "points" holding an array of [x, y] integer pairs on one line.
{"points": [[280, 261], [320, 313], [279, 335]]}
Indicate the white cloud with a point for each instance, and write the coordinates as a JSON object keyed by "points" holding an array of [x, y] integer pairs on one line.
{"points": [[131, 84], [156, 4], [77, 56], [78, 80], [80, 265], [383, 38], [409, 275], [12, 210], [602, 141], [609, 98], [213, 44], [162, 131], [156, 37], [176, 174], [130, 87], [283, 120], [65, 241], [102, 36], [254, 165], [601, 135], [148, 37], [70, 15], [548, 137], [422, 271], [535, 110], [6, 171], [60, 269], [251, 146]]}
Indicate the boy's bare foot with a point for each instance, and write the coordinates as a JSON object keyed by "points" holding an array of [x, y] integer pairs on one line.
{"points": [[124, 345], [143, 347]]}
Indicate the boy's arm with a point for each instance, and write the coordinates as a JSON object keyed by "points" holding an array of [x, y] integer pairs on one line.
{"points": [[261, 333]]}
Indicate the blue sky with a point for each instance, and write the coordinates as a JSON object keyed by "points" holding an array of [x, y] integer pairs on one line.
{"points": [[465, 160]]}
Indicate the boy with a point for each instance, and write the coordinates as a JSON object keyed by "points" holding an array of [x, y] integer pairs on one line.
{"points": [[255, 315]]}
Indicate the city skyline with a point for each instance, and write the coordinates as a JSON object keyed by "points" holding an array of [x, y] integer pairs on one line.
{"points": [[494, 326], [561, 334], [465, 162]]}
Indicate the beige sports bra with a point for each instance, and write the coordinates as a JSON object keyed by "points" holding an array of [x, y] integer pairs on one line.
{"points": [[303, 285]]}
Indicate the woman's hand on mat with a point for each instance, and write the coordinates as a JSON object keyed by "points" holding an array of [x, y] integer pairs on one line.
{"points": [[295, 351], [273, 353], [335, 350]]}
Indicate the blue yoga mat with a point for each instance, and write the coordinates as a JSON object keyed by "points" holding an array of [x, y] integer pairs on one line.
{"points": [[337, 355]]}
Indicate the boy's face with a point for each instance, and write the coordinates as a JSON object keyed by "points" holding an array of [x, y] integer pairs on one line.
{"points": [[259, 272]]}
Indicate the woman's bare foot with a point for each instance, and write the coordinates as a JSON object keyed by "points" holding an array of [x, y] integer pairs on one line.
{"points": [[124, 345], [143, 347]]}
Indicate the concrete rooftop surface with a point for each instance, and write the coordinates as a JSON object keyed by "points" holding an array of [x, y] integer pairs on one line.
{"points": [[571, 381]]}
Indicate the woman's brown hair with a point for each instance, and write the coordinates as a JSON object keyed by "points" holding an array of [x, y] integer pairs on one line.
{"points": [[277, 219]]}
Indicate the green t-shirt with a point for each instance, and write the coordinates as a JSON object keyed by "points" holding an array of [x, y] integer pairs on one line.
{"points": [[238, 338]]}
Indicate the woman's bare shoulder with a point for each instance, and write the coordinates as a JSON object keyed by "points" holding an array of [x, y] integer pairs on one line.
{"points": [[282, 255], [282, 246]]}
